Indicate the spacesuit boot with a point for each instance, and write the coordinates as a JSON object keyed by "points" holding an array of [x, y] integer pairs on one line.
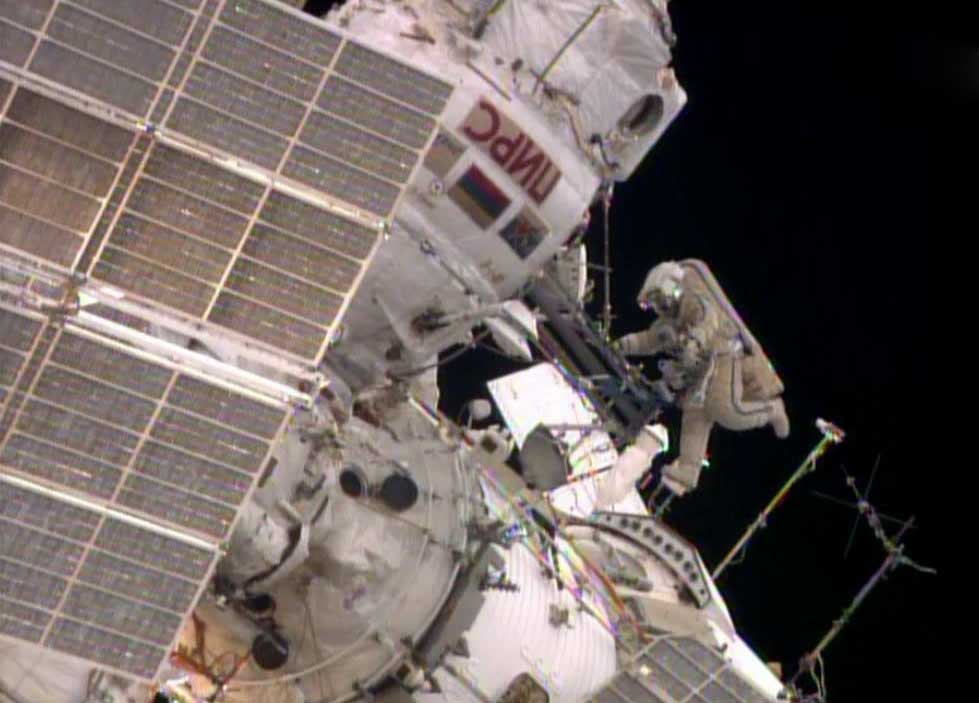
{"points": [[683, 474], [681, 477]]}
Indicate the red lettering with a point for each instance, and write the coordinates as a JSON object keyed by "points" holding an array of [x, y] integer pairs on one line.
{"points": [[501, 148], [494, 118], [523, 161], [498, 137], [539, 193]]}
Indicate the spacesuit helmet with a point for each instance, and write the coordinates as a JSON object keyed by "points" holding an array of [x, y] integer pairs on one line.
{"points": [[662, 289]]}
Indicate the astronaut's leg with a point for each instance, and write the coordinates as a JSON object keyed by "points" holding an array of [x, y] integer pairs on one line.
{"points": [[727, 407], [682, 475]]}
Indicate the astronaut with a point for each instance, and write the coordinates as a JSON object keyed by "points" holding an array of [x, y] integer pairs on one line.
{"points": [[614, 486], [714, 365]]}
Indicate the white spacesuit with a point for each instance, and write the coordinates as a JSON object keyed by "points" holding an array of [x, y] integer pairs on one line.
{"points": [[714, 364], [633, 462]]}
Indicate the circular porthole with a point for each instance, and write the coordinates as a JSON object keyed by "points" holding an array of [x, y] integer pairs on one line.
{"points": [[398, 492], [270, 651], [260, 604], [353, 481], [643, 117]]}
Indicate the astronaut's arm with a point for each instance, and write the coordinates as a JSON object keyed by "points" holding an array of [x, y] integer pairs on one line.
{"points": [[698, 320], [618, 481], [652, 341]]}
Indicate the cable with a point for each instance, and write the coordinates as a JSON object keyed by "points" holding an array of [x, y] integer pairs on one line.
{"points": [[407, 375], [819, 679]]}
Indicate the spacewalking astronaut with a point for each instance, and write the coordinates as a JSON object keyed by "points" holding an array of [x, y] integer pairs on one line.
{"points": [[713, 364]]}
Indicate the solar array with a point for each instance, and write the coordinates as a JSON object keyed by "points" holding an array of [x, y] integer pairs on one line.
{"points": [[92, 586], [230, 164], [232, 161], [116, 427], [92, 435], [680, 670]]}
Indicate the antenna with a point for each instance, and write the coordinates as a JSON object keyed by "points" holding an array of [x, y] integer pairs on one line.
{"points": [[856, 520], [831, 435], [859, 506], [607, 309], [895, 558]]}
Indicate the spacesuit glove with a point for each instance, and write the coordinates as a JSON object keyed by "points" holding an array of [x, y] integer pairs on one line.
{"points": [[666, 336], [692, 355]]}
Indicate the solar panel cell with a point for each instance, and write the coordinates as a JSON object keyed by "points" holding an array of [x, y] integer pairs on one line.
{"points": [[262, 64], [70, 126], [224, 131], [393, 78], [186, 213], [192, 473], [15, 44], [30, 585], [266, 324], [376, 113], [23, 622], [87, 75], [96, 644], [204, 179], [297, 256], [44, 513], [27, 13], [112, 365], [53, 161], [136, 582], [120, 615], [153, 281], [225, 407], [153, 550], [252, 280], [57, 465], [170, 248], [175, 506], [245, 100], [284, 31], [355, 146], [26, 546], [318, 226], [154, 18], [64, 428], [17, 331], [332, 176], [110, 43]]}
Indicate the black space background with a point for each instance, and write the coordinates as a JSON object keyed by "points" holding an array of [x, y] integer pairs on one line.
{"points": [[799, 171]]}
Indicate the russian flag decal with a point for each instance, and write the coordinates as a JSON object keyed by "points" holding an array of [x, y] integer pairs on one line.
{"points": [[479, 197]]}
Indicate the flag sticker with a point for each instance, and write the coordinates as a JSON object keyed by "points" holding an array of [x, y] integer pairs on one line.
{"points": [[524, 233], [443, 154], [479, 197]]}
